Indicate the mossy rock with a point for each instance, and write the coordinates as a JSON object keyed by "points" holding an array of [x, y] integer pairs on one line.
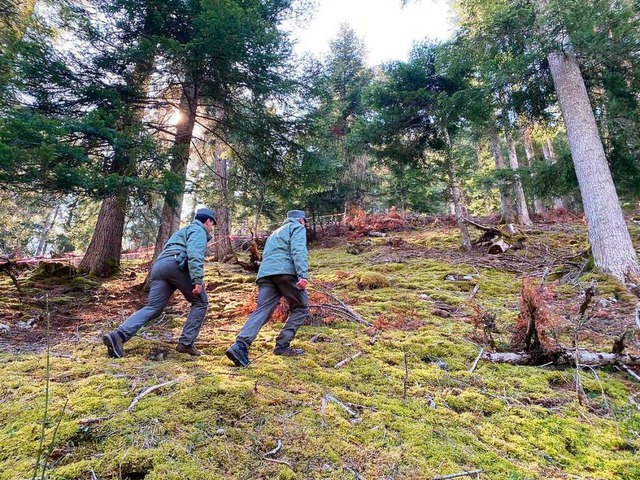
{"points": [[53, 270], [372, 280]]}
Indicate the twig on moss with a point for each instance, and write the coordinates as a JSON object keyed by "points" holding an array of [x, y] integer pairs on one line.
{"points": [[152, 389], [342, 363], [474, 473], [53, 437], [275, 450], [275, 460], [356, 316], [331, 398], [475, 363], [476, 287]]}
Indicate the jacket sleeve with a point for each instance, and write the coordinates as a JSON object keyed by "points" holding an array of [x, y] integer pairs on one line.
{"points": [[298, 249], [196, 247]]}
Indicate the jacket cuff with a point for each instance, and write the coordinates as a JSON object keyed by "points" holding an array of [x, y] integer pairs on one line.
{"points": [[196, 281]]}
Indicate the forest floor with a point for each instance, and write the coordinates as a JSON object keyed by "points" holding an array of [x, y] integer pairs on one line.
{"points": [[412, 403]]}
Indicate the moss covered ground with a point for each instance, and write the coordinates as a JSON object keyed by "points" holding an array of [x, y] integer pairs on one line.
{"points": [[413, 408]]}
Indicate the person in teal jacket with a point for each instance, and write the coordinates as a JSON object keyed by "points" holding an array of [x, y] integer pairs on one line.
{"points": [[282, 273], [180, 266]]}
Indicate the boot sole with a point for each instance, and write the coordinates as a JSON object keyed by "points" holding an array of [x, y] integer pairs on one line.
{"points": [[111, 347]]}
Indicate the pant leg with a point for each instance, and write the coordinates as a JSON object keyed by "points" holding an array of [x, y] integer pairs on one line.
{"points": [[159, 294], [198, 309], [298, 308], [268, 298]]}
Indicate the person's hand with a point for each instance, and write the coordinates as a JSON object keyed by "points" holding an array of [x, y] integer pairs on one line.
{"points": [[197, 289], [302, 283]]}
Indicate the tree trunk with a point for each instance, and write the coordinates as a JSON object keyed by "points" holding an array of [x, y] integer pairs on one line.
{"points": [[522, 212], [222, 243], [506, 210], [51, 220], [103, 255], [609, 237], [456, 193], [172, 207], [550, 157], [538, 204], [485, 193]]}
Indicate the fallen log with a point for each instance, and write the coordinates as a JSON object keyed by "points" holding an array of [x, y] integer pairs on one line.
{"points": [[563, 358]]}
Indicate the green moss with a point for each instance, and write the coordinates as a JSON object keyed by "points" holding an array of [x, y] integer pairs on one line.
{"points": [[417, 412]]}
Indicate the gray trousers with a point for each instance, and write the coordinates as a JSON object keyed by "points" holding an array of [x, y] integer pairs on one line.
{"points": [[165, 279], [270, 290]]}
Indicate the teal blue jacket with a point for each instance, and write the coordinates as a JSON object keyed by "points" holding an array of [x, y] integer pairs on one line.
{"points": [[286, 251], [189, 243]]}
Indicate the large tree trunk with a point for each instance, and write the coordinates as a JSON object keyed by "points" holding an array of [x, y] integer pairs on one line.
{"points": [[538, 204], [506, 210], [456, 193], [172, 207], [222, 246], [522, 212], [103, 255], [609, 237], [550, 157]]}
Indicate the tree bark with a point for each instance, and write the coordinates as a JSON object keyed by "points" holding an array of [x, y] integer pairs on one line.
{"points": [[550, 157], [485, 193], [103, 255], [538, 204], [506, 210], [51, 220], [222, 245], [456, 193], [522, 212], [172, 207], [609, 237]]}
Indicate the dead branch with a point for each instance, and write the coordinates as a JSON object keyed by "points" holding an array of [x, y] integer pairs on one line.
{"points": [[89, 421], [474, 291], [331, 398], [475, 363], [275, 460], [341, 307], [474, 473], [342, 363], [564, 358], [275, 450], [153, 389], [10, 268], [630, 372]]}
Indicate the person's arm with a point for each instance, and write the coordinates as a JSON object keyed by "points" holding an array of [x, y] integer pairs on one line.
{"points": [[196, 247], [299, 254]]}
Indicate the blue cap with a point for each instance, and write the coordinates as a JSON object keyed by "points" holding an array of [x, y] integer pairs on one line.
{"points": [[295, 214], [208, 213]]}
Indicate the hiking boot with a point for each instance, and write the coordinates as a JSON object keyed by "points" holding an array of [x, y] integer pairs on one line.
{"points": [[288, 351], [114, 344], [190, 349], [237, 353]]}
